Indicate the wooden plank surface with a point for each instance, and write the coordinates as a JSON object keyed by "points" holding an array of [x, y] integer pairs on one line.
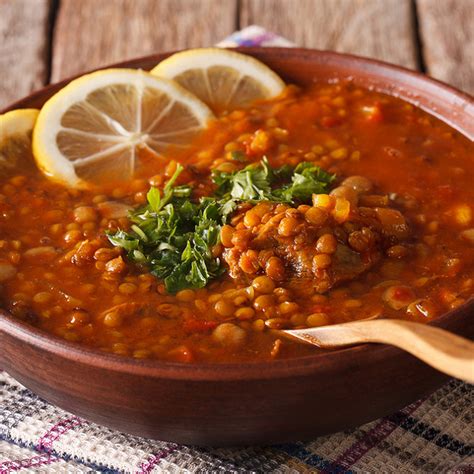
{"points": [[382, 29], [447, 36], [24, 45], [92, 33]]}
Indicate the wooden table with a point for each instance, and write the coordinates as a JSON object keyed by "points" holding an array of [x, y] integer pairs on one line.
{"points": [[43, 41]]}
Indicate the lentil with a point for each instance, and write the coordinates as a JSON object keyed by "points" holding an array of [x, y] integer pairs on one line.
{"points": [[322, 261], [85, 214], [360, 184], [244, 313], [317, 319], [276, 323], [127, 288], [264, 302], [113, 319], [288, 307], [275, 269], [263, 284], [224, 308], [327, 243], [229, 334], [316, 216], [288, 226]]}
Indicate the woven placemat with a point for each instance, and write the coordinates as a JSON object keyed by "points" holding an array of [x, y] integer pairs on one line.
{"points": [[432, 436]]}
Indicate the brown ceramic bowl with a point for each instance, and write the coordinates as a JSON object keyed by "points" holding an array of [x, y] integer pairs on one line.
{"points": [[223, 405]]}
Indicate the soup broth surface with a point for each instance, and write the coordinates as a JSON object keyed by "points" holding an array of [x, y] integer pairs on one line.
{"points": [[398, 244]]}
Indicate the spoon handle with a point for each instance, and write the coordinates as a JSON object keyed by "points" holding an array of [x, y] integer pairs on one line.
{"points": [[441, 349]]}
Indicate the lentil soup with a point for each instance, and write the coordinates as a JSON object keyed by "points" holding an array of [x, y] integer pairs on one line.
{"points": [[389, 233]]}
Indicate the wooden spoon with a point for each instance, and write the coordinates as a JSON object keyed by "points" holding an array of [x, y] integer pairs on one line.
{"points": [[441, 349]]}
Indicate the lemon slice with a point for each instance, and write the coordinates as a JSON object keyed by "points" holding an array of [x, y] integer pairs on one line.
{"points": [[104, 126], [223, 79], [15, 139]]}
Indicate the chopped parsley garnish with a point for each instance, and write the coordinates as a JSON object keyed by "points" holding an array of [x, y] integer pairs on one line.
{"points": [[306, 180], [173, 235], [260, 182]]}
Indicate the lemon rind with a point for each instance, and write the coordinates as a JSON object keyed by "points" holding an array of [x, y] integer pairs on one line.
{"points": [[17, 122], [203, 58]]}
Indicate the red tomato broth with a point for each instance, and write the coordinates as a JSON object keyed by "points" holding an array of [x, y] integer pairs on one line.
{"points": [[422, 163]]}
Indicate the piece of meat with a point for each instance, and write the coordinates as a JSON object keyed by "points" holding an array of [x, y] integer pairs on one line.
{"points": [[342, 242]]}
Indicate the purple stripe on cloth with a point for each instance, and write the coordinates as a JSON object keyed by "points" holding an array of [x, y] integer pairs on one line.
{"points": [[45, 444], [257, 40], [147, 466], [371, 439], [466, 469], [46, 441], [32, 462]]}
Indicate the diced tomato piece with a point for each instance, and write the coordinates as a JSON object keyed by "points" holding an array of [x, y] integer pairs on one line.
{"points": [[199, 325], [330, 122]]}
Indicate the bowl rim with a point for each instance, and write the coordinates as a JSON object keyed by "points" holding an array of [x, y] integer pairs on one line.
{"points": [[330, 361], [324, 362], [377, 67]]}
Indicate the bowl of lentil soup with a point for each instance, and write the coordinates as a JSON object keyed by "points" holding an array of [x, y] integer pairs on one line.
{"points": [[101, 337]]}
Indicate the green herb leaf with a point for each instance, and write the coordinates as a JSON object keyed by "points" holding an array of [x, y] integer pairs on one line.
{"points": [[124, 240], [307, 179], [251, 183], [154, 199], [258, 181], [174, 236]]}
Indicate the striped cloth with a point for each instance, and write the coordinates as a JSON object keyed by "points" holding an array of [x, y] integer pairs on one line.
{"points": [[428, 436], [434, 435]]}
